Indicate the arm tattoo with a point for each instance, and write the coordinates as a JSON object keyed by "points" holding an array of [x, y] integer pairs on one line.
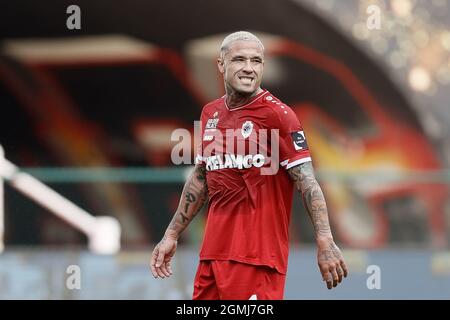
{"points": [[335, 250], [194, 196], [325, 255], [312, 195]]}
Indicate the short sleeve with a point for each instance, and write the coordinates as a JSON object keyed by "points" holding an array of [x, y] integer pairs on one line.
{"points": [[199, 159], [293, 146]]}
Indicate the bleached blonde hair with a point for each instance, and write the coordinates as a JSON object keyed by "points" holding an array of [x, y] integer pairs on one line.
{"points": [[238, 36]]}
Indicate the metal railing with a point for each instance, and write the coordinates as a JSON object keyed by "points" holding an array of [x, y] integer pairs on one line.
{"points": [[178, 175], [356, 184], [103, 232]]}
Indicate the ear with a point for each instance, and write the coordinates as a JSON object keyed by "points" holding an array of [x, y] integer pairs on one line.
{"points": [[220, 65]]}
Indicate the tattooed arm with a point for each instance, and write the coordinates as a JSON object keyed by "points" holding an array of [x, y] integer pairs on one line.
{"points": [[193, 197], [329, 257]]}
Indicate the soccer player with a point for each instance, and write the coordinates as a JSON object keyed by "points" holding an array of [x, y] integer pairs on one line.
{"points": [[244, 254]]}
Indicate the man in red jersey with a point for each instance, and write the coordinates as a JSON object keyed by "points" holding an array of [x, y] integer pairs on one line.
{"points": [[245, 248]]}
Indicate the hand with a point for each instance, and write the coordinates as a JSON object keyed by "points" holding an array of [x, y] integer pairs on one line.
{"points": [[331, 262], [161, 256]]}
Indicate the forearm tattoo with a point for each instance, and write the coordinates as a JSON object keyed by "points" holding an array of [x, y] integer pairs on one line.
{"points": [[194, 196], [312, 195]]}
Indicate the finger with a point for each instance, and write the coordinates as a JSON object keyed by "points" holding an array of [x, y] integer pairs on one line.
{"points": [[344, 267], [160, 273], [340, 273], [153, 263], [154, 273], [159, 259], [335, 276], [329, 281], [164, 269], [166, 265], [324, 272], [326, 276], [169, 267]]}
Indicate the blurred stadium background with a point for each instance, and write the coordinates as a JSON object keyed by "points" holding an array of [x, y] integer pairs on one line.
{"points": [[90, 113]]}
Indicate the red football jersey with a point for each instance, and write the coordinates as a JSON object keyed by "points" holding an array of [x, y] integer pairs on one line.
{"points": [[249, 203]]}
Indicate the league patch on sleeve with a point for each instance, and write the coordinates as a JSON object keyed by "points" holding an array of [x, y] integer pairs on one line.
{"points": [[299, 140]]}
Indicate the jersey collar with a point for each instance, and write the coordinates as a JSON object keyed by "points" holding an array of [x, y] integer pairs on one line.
{"points": [[259, 95]]}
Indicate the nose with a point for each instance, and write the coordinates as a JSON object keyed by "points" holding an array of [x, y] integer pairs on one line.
{"points": [[247, 66]]}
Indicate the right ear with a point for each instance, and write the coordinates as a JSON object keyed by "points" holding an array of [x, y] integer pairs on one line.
{"points": [[220, 65]]}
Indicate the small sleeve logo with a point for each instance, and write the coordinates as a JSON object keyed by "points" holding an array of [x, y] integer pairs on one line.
{"points": [[299, 140]]}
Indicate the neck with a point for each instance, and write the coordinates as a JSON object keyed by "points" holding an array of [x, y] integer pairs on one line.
{"points": [[236, 99]]}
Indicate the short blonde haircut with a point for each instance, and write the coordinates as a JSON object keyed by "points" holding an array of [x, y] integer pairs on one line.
{"points": [[238, 36]]}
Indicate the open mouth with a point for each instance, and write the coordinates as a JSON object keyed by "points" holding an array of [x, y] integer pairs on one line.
{"points": [[246, 79]]}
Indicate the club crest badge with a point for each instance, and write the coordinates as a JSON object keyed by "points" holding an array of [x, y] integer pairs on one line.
{"points": [[247, 129]]}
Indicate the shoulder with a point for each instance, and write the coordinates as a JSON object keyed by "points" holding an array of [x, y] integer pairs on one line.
{"points": [[212, 106], [279, 111]]}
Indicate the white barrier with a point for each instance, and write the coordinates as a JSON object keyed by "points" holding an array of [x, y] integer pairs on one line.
{"points": [[103, 232]]}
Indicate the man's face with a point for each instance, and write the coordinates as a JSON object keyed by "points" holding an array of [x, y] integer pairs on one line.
{"points": [[242, 67]]}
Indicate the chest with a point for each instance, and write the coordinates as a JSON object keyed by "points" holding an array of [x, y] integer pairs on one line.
{"points": [[239, 132]]}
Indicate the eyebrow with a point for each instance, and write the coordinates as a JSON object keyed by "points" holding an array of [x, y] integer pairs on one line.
{"points": [[243, 57]]}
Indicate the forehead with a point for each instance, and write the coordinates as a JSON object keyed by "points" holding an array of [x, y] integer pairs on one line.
{"points": [[245, 48]]}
